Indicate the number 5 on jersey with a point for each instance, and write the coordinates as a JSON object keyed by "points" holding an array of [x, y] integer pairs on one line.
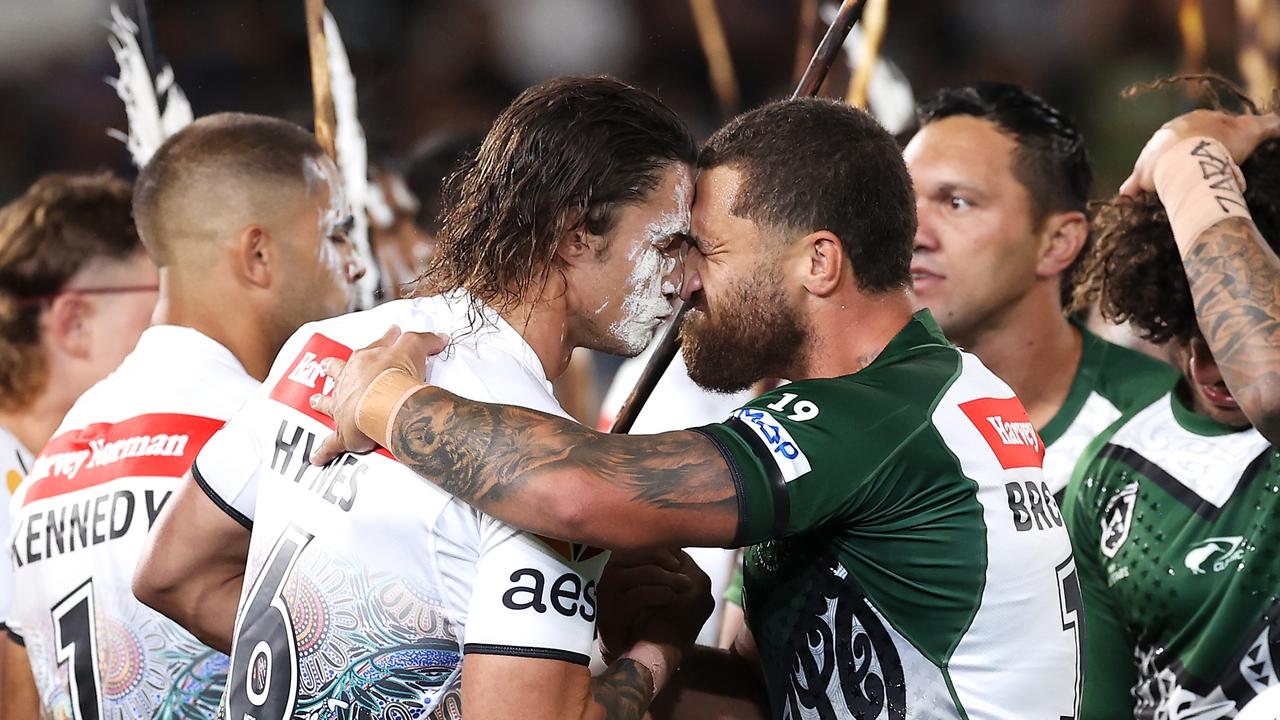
{"points": [[263, 681]]}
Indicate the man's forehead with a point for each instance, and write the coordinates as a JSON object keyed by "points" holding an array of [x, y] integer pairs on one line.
{"points": [[959, 149]]}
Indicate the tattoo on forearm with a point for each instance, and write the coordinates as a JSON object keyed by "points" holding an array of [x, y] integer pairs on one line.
{"points": [[1218, 169], [486, 454], [624, 690], [1235, 281]]}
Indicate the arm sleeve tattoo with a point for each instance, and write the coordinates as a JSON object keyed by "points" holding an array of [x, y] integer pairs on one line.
{"points": [[1235, 282], [531, 469]]}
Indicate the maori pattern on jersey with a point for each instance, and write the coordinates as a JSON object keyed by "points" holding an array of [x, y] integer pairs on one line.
{"points": [[845, 664], [1169, 692]]}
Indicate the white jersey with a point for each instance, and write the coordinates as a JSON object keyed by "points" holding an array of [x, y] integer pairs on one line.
{"points": [[366, 583], [15, 463], [81, 518]]}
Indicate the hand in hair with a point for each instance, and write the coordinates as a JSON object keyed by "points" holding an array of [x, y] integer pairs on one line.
{"points": [[1241, 134]]}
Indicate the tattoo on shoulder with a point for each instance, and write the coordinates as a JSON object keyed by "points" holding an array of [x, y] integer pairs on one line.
{"points": [[485, 453], [624, 691]]}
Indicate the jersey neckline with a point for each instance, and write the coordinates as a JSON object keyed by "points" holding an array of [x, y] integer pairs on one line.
{"points": [[1193, 422]]}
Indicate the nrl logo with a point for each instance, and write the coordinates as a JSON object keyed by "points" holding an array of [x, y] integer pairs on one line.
{"points": [[1117, 517], [1222, 550]]}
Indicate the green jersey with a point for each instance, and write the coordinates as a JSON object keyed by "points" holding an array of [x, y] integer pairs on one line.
{"points": [[1111, 381], [910, 561], [1174, 524]]}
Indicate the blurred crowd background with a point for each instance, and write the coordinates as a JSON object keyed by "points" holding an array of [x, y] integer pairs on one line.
{"points": [[426, 67]]}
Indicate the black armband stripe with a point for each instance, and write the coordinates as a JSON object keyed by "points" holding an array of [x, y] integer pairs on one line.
{"points": [[781, 500], [14, 636], [225, 506], [539, 653], [739, 488]]}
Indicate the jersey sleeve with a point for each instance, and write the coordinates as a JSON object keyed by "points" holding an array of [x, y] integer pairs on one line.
{"points": [[772, 445], [533, 598], [227, 467], [1107, 652]]}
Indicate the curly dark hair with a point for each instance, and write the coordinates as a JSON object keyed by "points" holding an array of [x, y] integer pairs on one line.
{"points": [[565, 154], [1134, 272]]}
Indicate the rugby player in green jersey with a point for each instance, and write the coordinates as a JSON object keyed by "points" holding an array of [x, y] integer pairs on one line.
{"points": [[1173, 510], [907, 558], [1002, 179]]}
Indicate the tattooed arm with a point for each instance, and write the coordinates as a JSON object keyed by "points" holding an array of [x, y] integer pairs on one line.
{"points": [[558, 478], [1233, 274], [1235, 282], [529, 469]]}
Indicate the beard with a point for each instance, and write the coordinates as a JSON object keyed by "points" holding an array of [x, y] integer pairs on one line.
{"points": [[755, 334]]}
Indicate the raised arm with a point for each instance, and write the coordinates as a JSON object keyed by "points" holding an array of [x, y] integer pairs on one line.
{"points": [[1233, 274], [535, 471]]}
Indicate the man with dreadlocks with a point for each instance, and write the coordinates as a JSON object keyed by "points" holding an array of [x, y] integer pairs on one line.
{"points": [[1172, 510]]}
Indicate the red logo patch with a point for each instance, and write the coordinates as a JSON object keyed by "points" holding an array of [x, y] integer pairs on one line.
{"points": [[158, 445], [1005, 426], [304, 378]]}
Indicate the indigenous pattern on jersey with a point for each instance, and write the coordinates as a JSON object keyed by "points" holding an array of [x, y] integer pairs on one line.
{"points": [[15, 463], [81, 518], [1174, 522], [366, 583], [1111, 381], [911, 561]]}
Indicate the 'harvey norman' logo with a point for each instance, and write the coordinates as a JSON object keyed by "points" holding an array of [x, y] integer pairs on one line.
{"points": [[1015, 433], [307, 371], [101, 453], [1004, 424]]}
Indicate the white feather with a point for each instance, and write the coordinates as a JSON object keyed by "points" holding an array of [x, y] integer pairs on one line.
{"points": [[889, 92], [148, 125], [353, 159]]}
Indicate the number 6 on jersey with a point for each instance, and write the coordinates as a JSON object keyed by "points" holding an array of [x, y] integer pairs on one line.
{"points": [[263, 681]]}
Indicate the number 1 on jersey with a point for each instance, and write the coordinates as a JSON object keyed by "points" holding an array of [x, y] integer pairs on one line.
{"points": [[74, 630]]}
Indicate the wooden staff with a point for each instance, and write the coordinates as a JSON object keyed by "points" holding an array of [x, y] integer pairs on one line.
{"points": [[804, 37], [1259, 52], [874, 22], [320, 93], [669, 344], [716, 49], [1191, 27]]}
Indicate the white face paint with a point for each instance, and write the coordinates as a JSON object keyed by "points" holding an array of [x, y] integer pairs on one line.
{"points": [[322, 178], [646, 302]]}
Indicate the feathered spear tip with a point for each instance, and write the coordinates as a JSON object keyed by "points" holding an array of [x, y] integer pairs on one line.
{"points": [[353, 160], [889, 92], [148, 125]]}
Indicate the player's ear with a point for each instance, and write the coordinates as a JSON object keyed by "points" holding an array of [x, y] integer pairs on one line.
{"points": [[67, 326], [579, 246], [820, 259], [1062, 237], [254, 256]]}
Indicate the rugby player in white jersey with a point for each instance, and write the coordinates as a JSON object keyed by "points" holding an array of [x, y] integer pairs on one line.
{"points": [[245, 219], [76, 291], [895, 568], [370, 593]]}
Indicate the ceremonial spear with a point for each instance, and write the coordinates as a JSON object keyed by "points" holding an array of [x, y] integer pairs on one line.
{"points": [[669, 344]]}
